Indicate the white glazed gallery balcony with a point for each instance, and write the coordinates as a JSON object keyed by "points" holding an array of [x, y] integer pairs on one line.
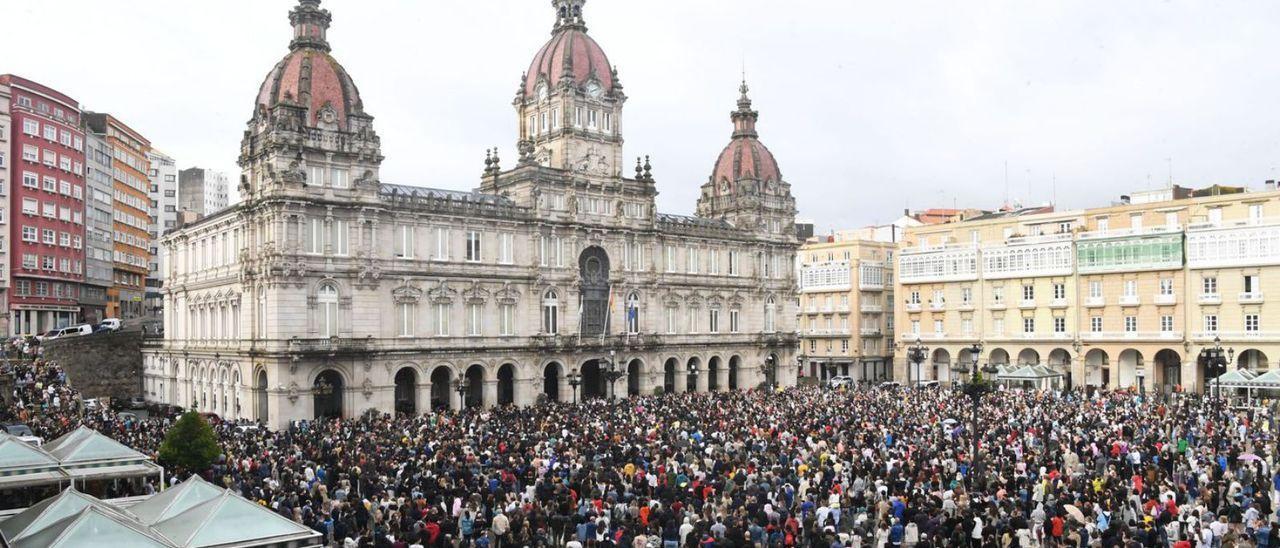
{"points": [[1027, 256], [1238, 242], [947, 263]]}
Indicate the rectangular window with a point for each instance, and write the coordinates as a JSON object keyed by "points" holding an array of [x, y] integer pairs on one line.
{"points": [[506, 248], [475, 319], [31, 153], [506, 319], [1028, 292], [733, 321], [406, 319], [671, 258], [1251, 323], [30, 206], [1131, 288], [315, 176], [733, 263], [671, 319], [473, 246], [997, 294], [1211, 323], [1210, 285], [1166, 286], [51, 133], [1166, 324], [404, 242], [966, 326], [442, 319], [997, 326], [338, 240], [713, 320], [1251, 284], [338, 178], [1059, 291], [1255, 213], [1130, 324], [713, 262], [442, 244], [1095, 289], [48, 236], [966, 295], [30, 127], [1028, 325], [692, 319], [915, 327], [30, 180], [315, 236], [938, 327], [29, 234], [50, 210], [692, 260], [1059, 325]]}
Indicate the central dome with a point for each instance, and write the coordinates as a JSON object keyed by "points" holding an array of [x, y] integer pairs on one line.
{"points": [[570, 53], [309, 76], [745, 158]]}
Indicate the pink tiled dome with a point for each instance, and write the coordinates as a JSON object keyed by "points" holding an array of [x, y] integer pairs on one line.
{"points": [[745, 157], [309, 75], [570, 51]]}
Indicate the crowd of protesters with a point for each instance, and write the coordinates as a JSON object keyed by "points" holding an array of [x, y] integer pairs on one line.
{"points": [[800, 467]]}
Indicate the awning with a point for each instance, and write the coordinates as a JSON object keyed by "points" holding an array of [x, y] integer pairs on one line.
{"points": [[1270, 379], [1031, 373], [1239, 378]]}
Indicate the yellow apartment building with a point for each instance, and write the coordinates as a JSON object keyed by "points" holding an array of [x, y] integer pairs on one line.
{"points": [[846, 307], [1120, 296]]}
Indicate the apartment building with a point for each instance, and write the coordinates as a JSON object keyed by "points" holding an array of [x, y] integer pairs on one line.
{"points": [[46, 258], [163, 194], [99, 229], [1121, 296], [845, 307], [131, 220], [204, 191], [6, 175]]}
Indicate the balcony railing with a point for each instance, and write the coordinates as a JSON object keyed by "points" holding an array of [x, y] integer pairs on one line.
{"points": [[996, 305], [913, 307], [870, 286], [1210, 298], [1058, 303], [826, 332], [1250, 297], [1130, 335], [1124, 232], [871, 308], [1095, 301], [1027, 303], [1162, 298], [1206, 336], [937, 305], [1130, 300], [870, 332]]}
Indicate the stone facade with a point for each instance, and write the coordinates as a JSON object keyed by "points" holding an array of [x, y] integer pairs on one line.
{"points": [[106, 365], [326, 291]]}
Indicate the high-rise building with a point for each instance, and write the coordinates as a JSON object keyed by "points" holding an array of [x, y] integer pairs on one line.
{"points": [[131, 216], [1123, 296], [326, 291], [47, 230], [203, 191], [846, 307], [163, 194], [99, 229], [6, 175]]}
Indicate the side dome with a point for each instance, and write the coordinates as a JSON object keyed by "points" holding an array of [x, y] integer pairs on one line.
{"points": [[745, 158], [309, 76], [570, 53]]}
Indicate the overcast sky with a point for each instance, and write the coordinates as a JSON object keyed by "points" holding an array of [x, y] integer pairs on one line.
{"points": [[870, 107]]}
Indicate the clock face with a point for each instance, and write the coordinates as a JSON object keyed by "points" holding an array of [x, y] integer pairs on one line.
{"points": [[542, 92], [593, 89]]}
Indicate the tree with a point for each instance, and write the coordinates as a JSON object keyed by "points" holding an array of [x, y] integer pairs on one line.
{"points": [[190, 443]]}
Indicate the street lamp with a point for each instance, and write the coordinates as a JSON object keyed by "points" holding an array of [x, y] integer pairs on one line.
{"points": [[462, 387], [916, 354], [770, 371], [575, 380], [691, 380], [976, 387], [1215, 364], [612, 372]]}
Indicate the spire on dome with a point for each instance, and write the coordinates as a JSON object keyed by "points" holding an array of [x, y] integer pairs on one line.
{"points": [[744, 119], [569, 14], [310, 25]]}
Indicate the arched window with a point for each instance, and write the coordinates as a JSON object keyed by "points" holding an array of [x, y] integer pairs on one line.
{"points": [[327, 298], [770, 311], [633, 313], [550, 312]]}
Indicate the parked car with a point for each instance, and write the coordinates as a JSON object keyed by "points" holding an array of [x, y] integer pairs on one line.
{"points": [[75, 330], [112, 324], [48, 335], [890, 385], [840, 381], [137, 402], [18, 429]]}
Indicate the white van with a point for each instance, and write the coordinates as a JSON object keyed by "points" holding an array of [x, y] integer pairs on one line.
{"points": [[75, 330]]}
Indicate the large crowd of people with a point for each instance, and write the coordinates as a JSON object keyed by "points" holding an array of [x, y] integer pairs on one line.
{"points": [[799, 467]]}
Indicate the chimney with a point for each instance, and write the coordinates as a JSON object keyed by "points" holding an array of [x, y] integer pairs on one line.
{"points": [[906, 211], [1124, 199], [1270, 184]]}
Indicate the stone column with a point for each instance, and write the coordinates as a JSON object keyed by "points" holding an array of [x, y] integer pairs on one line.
{"points": [[422, 397], [490, 393]]}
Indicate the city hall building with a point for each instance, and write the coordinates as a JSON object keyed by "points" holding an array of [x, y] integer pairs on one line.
{"points": [[328, 292]]}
